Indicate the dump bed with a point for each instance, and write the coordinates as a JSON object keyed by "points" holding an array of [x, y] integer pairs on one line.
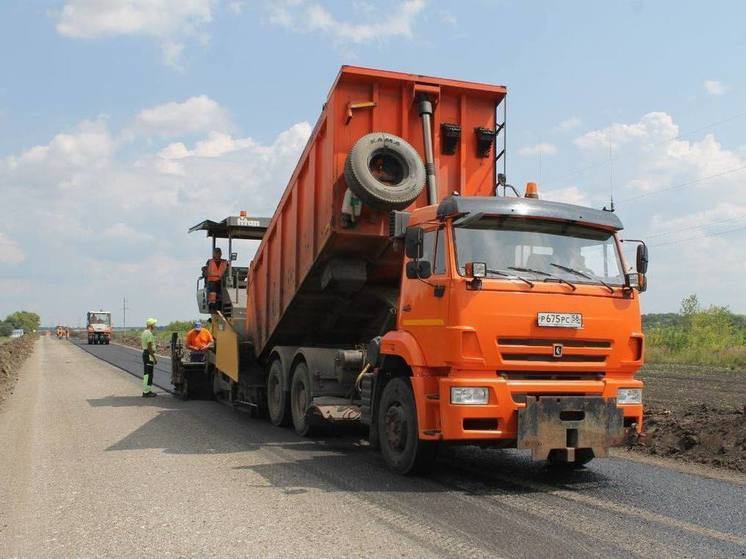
{"points": [[314, 281]]}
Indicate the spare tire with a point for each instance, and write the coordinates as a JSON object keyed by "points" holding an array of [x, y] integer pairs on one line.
{"points": [[384, 171]]}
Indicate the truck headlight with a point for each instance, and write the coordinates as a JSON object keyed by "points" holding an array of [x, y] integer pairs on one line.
{"points": [[629, 396], [469, 395]]}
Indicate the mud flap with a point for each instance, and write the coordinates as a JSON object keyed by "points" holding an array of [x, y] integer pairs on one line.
{"points": [[569, 423]]}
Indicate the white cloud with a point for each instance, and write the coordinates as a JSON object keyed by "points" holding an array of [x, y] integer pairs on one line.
{"points": [[678, 194], [308, 16], [195, 115], [661, 159], [715, 87], [10, 252], [568, 195], [84, 201], [542, 148], [171, 22], [568, 124]]}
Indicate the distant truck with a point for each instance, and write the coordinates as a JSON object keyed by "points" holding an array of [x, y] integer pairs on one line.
{"points": [[400, 284], [17, 333], [98, 326]]}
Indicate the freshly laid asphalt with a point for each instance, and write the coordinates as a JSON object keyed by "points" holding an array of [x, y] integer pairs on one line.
{"points": [[89, 468]]}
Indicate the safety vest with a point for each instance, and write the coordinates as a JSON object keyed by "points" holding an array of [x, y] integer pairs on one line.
{"points": [[215, 270]]}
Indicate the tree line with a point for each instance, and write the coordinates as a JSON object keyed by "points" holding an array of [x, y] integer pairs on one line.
{"points": [[29, 321], [696, 334]]}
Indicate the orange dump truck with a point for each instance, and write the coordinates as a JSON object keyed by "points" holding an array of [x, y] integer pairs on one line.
{"points": [[403, 284]]}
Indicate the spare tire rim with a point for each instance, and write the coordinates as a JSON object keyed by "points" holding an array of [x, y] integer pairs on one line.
{"points": [[387, 167]]}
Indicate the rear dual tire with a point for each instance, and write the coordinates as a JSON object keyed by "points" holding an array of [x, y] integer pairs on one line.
{"points": [[300, 400], [278, 405]]}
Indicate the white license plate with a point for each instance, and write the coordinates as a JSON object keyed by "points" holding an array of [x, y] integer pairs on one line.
{"points": [[560, 319]]}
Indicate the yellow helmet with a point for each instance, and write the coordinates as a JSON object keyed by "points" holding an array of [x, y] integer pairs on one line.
{"points": [[151, 322]]}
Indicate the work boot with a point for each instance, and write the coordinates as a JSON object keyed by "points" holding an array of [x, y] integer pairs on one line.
{"points": [[149, 394]]}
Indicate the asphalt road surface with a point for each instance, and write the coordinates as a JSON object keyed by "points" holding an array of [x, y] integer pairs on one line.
{"points": [[89, 468]]}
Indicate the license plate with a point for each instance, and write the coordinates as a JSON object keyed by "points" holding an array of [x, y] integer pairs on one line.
{"points": [[560, 319]]}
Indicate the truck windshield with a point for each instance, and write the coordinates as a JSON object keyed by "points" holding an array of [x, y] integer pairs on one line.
{"points": [[540, 249], [99, 318]]}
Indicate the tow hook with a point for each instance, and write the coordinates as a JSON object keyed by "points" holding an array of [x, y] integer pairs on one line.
{"points": [[632, 437]]}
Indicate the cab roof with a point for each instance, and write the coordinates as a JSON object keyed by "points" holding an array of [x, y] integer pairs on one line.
{"points": [[234, 227], [454, 206]]}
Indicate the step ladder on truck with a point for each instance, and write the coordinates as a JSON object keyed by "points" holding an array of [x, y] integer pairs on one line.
{"points": [[403, 283]]}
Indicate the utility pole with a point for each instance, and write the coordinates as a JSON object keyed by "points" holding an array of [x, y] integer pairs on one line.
{"points": [[124, 316]]}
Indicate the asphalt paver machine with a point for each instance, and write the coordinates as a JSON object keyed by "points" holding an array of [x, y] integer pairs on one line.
{"points": [[191, 374]]}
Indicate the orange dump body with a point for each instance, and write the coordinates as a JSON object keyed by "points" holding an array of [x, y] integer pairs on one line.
{"points": [[286, 304]]}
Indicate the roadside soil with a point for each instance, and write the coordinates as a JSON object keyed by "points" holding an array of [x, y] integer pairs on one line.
{"points": [[12, 355], [695, 413]]}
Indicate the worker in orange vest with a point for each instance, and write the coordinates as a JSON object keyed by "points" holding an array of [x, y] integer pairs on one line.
{"points": [[214, 273], [197, 340]]}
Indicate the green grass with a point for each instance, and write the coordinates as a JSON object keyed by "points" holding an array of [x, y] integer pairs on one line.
{"points": [[696, 336]]}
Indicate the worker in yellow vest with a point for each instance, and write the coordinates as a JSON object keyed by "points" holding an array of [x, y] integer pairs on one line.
{"points": [[147, 339]]}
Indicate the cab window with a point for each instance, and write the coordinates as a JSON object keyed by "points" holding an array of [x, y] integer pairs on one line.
{"points": [[434, 250]]}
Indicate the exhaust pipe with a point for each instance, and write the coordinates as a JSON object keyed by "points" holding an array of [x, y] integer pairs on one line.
{"points": [[426, 112]]}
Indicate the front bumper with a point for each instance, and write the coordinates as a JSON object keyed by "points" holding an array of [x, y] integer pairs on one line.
{"points": [[569, 422], [521, 414]]}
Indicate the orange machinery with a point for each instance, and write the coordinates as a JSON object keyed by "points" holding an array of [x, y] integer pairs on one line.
{"points": [[400, 285]]}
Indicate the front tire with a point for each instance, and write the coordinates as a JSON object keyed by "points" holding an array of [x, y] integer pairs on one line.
{"points": [[403, 451]]}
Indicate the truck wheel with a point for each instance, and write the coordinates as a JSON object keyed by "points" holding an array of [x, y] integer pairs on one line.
{"points": [[277, 398], [398, 433], [300, 399], [384, 171]]}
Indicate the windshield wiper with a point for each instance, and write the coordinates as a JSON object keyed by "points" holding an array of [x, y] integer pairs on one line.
{"points": [[547, 275], [511, 276], [583, 275]]}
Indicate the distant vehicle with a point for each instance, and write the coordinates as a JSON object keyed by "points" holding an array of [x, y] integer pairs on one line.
{"points": [[99, 327], [17, 333]]}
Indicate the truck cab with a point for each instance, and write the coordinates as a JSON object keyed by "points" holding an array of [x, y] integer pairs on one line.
{"points": [[519, 323], [98, 327]]}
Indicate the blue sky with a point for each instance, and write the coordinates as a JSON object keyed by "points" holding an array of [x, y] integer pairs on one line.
{"points": [[119, 121]]}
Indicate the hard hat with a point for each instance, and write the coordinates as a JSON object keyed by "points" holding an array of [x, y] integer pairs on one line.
{"points": [[197, 324], [151, 322]]}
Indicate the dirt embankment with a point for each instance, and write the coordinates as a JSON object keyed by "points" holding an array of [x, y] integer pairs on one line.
{"points": [[12, 355], [696, 414]]}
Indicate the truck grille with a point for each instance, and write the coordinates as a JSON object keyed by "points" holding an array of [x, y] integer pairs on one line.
{"points": [[541, 350], [551, 375]]}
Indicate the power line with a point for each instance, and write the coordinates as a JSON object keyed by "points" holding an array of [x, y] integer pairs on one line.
{"points": [[701, 226], [683, 184], [699, 237]]}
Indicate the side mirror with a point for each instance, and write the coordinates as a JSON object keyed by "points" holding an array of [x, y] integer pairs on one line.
{"points": [[234, 256], [475, 270], [419, 269], [642, 258], [413, 242], [637, 281]]}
